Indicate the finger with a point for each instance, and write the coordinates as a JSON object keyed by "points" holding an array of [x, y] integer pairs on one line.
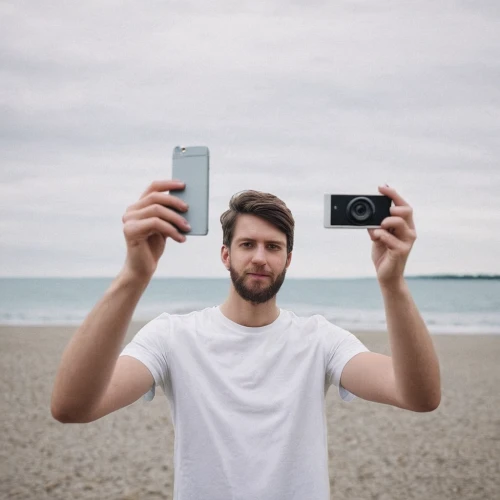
{"points": [[397, 224], [164, 185], [156, 198], [399, 228], [406, 212], [159, 211], [393, 195], [143, 228], [389, 240]]}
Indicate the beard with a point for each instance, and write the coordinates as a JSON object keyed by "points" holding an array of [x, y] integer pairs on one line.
{"points": [[258, 293]]}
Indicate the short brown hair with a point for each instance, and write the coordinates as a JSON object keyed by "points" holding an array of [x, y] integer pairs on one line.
{"points": [[264, 205]]}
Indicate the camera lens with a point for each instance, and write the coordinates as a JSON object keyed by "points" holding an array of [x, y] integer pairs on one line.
{"points": [[360, 209]]}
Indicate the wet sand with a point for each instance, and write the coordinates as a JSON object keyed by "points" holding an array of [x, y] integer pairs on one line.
{"points": [[376, 451]]}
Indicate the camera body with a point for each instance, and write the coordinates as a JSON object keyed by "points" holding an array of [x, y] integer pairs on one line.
{"points": [[355, 211]]}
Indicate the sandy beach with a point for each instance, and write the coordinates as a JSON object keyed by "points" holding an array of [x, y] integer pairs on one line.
{"points": [[376, 451]]}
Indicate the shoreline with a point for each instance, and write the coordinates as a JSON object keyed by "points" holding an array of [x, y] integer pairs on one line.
{"points": [[136, 325]]}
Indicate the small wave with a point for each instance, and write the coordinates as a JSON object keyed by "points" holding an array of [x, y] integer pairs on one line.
{"points": [[357, 320]]}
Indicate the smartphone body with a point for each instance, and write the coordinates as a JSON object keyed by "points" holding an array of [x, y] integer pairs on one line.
{"points": [[191, 165], [355, 211]]}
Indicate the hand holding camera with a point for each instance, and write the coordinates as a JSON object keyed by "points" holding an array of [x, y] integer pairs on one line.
{"points": [[394, 240], [391, 228]]}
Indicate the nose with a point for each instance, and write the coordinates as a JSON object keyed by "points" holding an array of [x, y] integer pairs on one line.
{"points": [[259, 256]]}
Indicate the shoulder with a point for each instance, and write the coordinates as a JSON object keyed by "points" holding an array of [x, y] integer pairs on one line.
{"points": [[191, 318], [181, 323], [325, 332], [315, 323], [166, 327], [317, 329], [165, 322]]}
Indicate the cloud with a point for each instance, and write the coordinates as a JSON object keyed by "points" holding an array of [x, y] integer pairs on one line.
{"points": [[293, 99]]}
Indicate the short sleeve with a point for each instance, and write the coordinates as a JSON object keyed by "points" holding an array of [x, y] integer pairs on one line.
{"points": [[341, 347], [149, 346]]}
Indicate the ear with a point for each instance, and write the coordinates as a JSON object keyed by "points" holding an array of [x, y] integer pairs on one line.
{"points": [[288, 260], [225, 256]]}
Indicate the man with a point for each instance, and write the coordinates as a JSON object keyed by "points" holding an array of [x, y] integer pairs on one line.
{"points": [[246, 381]]}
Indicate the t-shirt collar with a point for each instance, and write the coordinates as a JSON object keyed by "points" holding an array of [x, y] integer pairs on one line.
{"points": [[248, 329]]}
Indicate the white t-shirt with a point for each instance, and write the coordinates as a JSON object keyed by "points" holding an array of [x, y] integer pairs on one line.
{"points": [[247, 404]]}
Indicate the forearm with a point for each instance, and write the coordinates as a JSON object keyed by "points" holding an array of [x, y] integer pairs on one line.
{"points": [[89, 359], [416, 366]]}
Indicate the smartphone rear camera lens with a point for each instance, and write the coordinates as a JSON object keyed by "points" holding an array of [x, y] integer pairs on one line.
{"points": [[360, 209]]}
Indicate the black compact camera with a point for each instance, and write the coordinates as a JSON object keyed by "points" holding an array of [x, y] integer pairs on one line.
{"points": [[356, 211]]}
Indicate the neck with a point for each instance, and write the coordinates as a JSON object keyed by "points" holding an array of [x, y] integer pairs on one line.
{"points": [[248, 314]]}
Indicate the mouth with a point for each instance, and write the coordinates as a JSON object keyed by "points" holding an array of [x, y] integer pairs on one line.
{"points": [[258, 275]]}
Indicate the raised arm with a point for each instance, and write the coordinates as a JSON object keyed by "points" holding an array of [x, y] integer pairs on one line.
{"points": [[410, 377], [91, 380]]}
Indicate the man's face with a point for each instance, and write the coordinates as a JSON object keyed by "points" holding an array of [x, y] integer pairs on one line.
{"points": [[257, 260]]}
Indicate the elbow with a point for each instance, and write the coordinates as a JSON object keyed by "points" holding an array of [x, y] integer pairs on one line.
{"points": [[434, 400], [434, 403], [67, 416], [62, 416], [58, 410], [426, 408], [430, 404]]}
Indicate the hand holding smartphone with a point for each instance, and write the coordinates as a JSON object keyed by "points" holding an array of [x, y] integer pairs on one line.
{"points": [[147, 224], [191, 166]]}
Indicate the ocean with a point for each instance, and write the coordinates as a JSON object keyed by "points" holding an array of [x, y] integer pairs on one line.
{"points": [[447, 305]]}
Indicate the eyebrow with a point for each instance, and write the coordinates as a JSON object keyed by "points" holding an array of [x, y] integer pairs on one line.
{"points": [[274, 242]]}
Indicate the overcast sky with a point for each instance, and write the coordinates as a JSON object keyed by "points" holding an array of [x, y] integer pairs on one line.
{"points": [[294, 98]]}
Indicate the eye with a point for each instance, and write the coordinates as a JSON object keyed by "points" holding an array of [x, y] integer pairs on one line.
{"points": [[246, 244]]}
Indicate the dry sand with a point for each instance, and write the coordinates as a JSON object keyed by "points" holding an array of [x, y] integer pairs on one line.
{"points": [[376, 451]]}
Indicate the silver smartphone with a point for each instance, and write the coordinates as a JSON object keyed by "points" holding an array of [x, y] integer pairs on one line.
{"points": [[191, 165]]}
